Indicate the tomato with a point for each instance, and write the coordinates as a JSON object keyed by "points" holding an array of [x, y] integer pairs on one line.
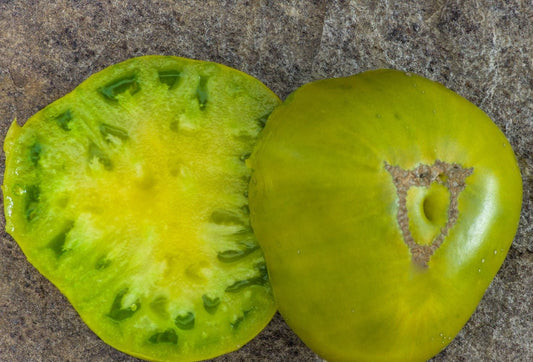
{"points": [[130, 195], [385, 204]]}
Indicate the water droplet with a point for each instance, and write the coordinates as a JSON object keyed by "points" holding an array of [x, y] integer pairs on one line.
{"points": [[434, 111], [299, 252], [408, 74], [423, 91], [479, 270], [495, 251], [378, 115], [441, 334], [353, 310], [482, 261]]}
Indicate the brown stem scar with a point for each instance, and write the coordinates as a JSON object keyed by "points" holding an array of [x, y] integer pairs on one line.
{"points": [[452, 176]]}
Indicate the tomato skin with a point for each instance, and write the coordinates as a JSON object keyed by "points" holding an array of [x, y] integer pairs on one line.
{"points": [[325, 209]]}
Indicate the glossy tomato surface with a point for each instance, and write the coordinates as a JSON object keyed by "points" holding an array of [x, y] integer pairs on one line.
{"points": [[385, 204], [130, 195]]}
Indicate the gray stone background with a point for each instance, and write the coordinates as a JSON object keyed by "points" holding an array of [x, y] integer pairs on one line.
{"points": [[481, 49]]}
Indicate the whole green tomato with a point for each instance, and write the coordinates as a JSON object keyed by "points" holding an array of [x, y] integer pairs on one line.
{"points": [[385, 204]]}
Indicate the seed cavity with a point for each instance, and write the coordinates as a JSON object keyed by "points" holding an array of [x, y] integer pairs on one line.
{"points": [[226, 217], [32, 199], [64, 119], [168, 336], [169, 77], [119, 86], [230, 256], [210, 304], [185, 321], [244, 235], [159, 306], [118, 313], [201, 92], [263, 272], [241, 284], [198, 271], [261, 279], [244, 138], [101, 156], [236, 322], [102, 263], [108, 131], [174, 125], [35, 153], [261, 121], [58, 242]]}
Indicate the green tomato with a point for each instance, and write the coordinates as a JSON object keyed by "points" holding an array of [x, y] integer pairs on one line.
{"points": [[385, 204], [130, 195]]}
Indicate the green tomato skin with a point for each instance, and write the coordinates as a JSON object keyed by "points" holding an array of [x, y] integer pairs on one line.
{"points": [[324, 209]]}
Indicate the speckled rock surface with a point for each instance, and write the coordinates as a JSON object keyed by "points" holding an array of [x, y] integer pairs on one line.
{"points": [[481, 49]]}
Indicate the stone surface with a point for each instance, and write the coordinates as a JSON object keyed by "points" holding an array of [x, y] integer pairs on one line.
{"points": [[480, 49]]}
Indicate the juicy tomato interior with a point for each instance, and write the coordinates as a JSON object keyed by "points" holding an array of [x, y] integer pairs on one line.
{"points": [[130, 195]]}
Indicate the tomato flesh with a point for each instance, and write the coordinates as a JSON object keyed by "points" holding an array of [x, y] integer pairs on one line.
{"points": [[130, 195]]}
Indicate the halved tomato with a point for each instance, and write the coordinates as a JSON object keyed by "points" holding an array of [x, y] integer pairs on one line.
{"points": [[130, 195]]}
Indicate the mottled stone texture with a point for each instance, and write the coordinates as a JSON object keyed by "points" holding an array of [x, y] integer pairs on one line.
{"points": [[481, 49]]}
